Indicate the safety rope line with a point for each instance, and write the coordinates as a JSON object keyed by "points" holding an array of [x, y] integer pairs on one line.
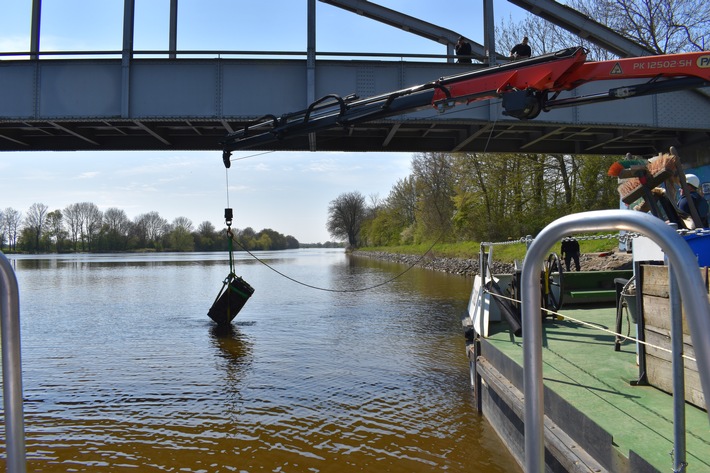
{"points": [[338, 290], [622, 237], [591, 325]]}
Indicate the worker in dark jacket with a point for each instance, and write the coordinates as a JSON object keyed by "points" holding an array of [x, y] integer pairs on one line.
{"points": [[521, 50], [463, 51], [570, 251]]}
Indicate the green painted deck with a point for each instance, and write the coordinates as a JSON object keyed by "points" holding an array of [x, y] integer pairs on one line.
{"points": [[580, 364]]}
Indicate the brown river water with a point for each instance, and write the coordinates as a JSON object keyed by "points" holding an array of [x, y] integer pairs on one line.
{"points": [[124, 371]]}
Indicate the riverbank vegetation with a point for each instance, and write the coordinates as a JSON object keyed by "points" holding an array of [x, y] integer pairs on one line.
{"points": [[461, 199], [82, 227], [470, 249]]}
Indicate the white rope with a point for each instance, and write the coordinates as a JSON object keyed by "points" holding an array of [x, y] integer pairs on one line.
{"points": [[593, 326], [622, 237]]}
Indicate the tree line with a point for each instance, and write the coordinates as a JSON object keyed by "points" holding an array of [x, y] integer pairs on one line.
{"points": [[82, 227], [481, 196], [452, 197]]}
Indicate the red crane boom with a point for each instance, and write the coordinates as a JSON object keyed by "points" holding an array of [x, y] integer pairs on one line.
{"points": [[526, 87]]}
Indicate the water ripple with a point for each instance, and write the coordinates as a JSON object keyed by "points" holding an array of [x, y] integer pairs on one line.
{"points": [[123, 371]]}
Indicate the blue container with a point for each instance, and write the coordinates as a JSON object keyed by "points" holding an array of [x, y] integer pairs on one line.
{"points": [[700, 244]]}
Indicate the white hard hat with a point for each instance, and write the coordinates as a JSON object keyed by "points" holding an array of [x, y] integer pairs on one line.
{"points": [[693, 180]]}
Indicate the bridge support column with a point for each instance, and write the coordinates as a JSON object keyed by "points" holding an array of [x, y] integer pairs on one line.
{"points": [[489, 35], [311, 54], [36, 17], [129, 8], [172, 41]]}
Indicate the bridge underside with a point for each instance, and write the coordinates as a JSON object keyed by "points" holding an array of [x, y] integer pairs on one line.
{"points": [[192, 104], [534, 136]]}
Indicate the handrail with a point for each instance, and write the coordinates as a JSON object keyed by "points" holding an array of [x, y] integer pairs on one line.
{"points": [[222, 53], [693, 291], [11, 368]]}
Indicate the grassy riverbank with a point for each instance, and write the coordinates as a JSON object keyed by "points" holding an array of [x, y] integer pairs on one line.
{"points": [[503, 253]]}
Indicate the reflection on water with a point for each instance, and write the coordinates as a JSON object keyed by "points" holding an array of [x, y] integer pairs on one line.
{"points": [[124, 371], [235, 349]]}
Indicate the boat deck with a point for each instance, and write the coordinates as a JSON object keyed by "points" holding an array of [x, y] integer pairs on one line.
{"points": [[581, 366]]}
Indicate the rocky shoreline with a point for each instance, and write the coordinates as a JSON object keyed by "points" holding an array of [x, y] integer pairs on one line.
{"points": [[469, 266]]}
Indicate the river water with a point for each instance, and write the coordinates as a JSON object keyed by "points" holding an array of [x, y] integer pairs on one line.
{"points": [[124, 371]]}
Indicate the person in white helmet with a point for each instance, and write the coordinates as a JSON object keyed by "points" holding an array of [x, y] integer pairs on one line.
{"points": [[700, 203]]}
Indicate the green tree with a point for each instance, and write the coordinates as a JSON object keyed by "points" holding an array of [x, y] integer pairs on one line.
{"points": [[384, 228], [263, 242], [205, 237], [276, 241], [292, 243], [55, 229], [27, 240], [181, 240], [434, 178], [246, 238], [596, 190], [180, 235], [117, 229]]}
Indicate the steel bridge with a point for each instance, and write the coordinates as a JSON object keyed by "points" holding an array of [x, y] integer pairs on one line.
{"points": [[189, 100]]}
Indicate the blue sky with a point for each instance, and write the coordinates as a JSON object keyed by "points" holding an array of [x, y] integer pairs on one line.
{"points": [[286, 191]]}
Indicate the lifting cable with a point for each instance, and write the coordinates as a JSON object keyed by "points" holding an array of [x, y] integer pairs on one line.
{"points": [[232, 239], [235, 292], [361, 289]]}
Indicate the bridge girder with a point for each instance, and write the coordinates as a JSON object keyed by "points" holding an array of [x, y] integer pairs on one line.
{"points": [[191, 104]]}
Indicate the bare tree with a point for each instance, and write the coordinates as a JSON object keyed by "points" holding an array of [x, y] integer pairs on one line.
{"points": [[117, 221], [151, 227], [206, 228], [183, 223], [35, 222], [544, 37], [664, 27], [117, 227], [72, 218], [91, 219], [12, 219], [345, 216], [3, 230]]}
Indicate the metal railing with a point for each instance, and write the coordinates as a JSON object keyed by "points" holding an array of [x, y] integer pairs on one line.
{"points": [[688, 283], [11, 368], [228, 54]]}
